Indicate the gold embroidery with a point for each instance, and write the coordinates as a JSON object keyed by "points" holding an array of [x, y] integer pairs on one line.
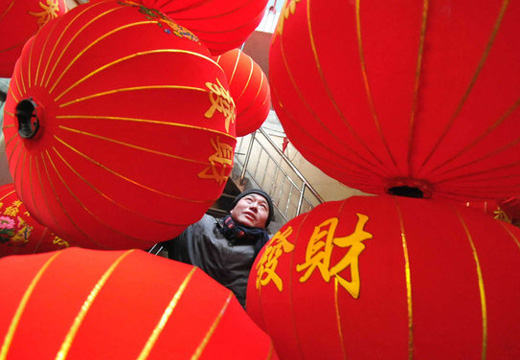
{"points": [[269, 261], [60, 242], [50, 11], [23, 233], [223, 156], [319, 252], [289, 8], [222, 102], [13, 209]]}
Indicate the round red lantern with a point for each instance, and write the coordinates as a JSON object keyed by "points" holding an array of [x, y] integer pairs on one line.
{"points": [[121, 133], [249, 88], [19, 232], [19, 20], [390, 277], [413, 94], [221, 25], [120, 305]]}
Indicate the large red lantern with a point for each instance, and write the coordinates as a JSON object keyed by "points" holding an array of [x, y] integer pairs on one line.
{"points": [[19, 232], [19, 20], [383, 277], [412, 94], [119, 126], [249, 88], [221, 25], [94, 304]]}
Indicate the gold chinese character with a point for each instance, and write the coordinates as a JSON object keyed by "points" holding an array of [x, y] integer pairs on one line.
{"points": [[60, 242], [266, 267], [24, 232], [50, 11], [11, 210], [223, 156], [319, 252], [222, 102], [288, 9]]}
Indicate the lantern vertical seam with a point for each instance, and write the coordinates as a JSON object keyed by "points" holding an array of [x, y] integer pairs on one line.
{"points": [[480, 284], [315, 116], [21, 76], [336, 304], [196, 355], [32, 182], [21, 307], [29, 82], [86, 209], [515, 239], [7, 9], [145, 352], [248, 80], [65, 212], [36, 76], [76, 34], [364, 73], [237, 60], [78, 320], [90, 45], [480, 65], [408, 278], [415, 96]]}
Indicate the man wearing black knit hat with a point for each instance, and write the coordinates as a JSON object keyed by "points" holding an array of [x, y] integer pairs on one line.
{"points": [[226, 248]]}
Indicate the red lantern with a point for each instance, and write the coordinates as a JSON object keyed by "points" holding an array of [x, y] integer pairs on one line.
{"points": [[390, 277], [120, 305], [249, 88], [221, 25], [19, 232], [413, 94], [19, 20], [135, 133]]}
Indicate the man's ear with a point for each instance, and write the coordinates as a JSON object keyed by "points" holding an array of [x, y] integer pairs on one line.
{"points": [[231, 211]]}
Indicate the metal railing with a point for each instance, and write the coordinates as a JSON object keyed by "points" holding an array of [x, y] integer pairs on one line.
{"points": [[260, 162]]}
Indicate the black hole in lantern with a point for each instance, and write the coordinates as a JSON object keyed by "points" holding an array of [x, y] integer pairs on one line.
{"points": [[28, 122], [406, 191]]}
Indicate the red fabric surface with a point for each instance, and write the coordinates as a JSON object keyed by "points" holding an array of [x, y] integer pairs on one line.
{"points": [[250, 89], [411, 93], [19, 232], [436, 281], [19, 20], [107, 305], [136, 137], [221, 25]]}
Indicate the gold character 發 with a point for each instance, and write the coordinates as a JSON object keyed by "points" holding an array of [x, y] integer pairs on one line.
{"points": [[222, 102]]}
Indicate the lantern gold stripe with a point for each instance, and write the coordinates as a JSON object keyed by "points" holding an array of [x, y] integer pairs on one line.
{"points": [[338, 319], [115, 91], [316, 117], [270, 352], [148, 121], [132, 146], [65, 48], [477, 140], [408, 280], [480, 65], [21, 77], [202, 345], [248, 80], [29, 67], [63, 209], [32, 182], [139, 214], [480, 284], [237, 60], [78, 200], [15, 79], [417, 82], [513, 236], [9, 7], [22, 173], [80, 53], [40, 181], [69, 338], [364, 74], [21, 307], [128, 179], [15, 145], [165, 317], [20, 44], [65, 31], [132, 56], [42, 50], [8, 194], [256, 95]]}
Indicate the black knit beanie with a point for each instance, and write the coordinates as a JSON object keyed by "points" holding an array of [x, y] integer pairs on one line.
{"points": [[261, 193]]}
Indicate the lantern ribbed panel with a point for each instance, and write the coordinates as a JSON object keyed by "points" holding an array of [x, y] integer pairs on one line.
{"points": [[94, 304], [19, 20], [390, 277], [136, 133], [414, 93], [250, 89]]}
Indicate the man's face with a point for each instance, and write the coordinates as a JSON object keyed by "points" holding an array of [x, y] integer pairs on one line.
{"points": [[252, 210]]}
